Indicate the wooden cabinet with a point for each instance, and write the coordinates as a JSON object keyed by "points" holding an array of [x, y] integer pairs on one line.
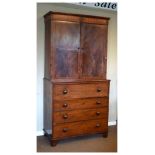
{"points": [[76, 91]]}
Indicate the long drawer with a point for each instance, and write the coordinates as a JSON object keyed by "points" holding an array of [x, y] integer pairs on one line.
{"points": [[84, 103], [67, 91], [80, 128], [79, 115]]}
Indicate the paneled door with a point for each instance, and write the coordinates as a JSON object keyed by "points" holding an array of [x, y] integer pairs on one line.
{"points": [[67, 43], [93, 51]]}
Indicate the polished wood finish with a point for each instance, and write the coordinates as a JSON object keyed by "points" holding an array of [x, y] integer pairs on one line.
{"points": [[73, 51], [72, 18], [81, 90], [47, 50], [75, 17], [67, 42], [93, 54], [94, 20], [76, 91], [47, 104], [69, 18], [80, 115], [80, 128], [82, 103]]}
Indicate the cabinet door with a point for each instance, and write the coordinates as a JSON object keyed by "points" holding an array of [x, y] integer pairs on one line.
{"points": [[94, 46], [66, 42]]}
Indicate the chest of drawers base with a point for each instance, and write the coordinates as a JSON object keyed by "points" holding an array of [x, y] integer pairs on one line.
{"points": [[79, 109]]}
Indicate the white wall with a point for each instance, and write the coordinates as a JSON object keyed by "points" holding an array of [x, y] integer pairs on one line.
{"points": [[43, 8]]}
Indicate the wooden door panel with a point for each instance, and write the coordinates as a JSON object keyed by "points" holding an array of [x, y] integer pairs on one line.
{"points": [[93, 44], [67, 64], [67, 42]]}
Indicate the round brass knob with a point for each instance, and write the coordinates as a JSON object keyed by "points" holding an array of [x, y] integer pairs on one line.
{"points": [[99, 89], [65, 129], [65, 91], [65, 105], [98, 102], [65, 116], [97, 125], [97, 113]]}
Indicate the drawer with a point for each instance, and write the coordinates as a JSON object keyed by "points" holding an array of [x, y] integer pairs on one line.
{"points": [[80, 128], [80, 103], [79, 115], [67, 91]]}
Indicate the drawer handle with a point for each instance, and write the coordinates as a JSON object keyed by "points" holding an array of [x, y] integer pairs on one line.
{"points": [[65, 91], [65, 105], [98, 113], [98, 102], [99, 89], [65, 116], [65, 129], [98, 125]]}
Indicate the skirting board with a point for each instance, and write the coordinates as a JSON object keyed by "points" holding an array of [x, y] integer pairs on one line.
{"points": [[41, 133]]}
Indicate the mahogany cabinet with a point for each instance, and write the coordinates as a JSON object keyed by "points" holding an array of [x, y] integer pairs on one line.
{"points": [[76, 91]]}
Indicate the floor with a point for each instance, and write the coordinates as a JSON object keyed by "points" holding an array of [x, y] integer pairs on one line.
{"points": [[93, 143]]}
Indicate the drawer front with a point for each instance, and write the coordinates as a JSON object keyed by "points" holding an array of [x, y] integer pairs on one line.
{"points": [[80, 128], [67, 91], [81, 103], [79, 115]]}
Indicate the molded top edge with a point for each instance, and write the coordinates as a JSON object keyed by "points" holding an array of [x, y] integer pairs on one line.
{"points": [[81, 15], [80, 81]]}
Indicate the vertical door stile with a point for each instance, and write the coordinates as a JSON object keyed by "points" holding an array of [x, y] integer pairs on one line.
{"points": [[80, 55], [53, 50], [79, 51]]}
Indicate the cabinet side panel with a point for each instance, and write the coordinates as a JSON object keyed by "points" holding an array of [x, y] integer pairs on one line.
{"points": [[47, 49], [47, 105], [47, 83]]}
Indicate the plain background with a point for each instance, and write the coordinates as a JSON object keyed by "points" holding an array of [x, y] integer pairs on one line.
{"points": [[42, 9], [136, 77]]}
